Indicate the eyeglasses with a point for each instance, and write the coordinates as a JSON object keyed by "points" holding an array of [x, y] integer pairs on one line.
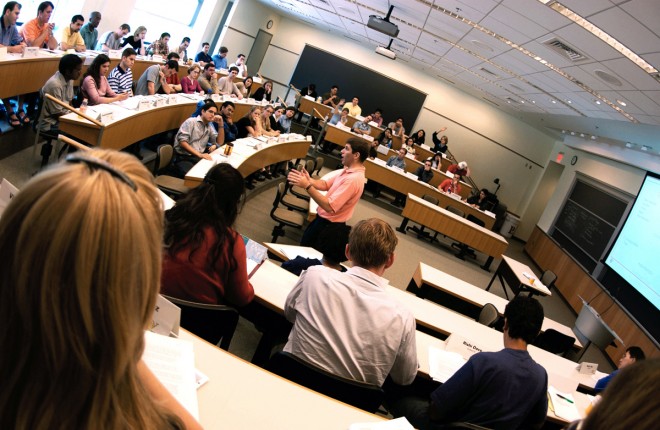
{"points": [[96, 163]]}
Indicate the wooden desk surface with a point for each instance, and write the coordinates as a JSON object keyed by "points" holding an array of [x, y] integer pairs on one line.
{"points": [[452, 225], [475, 295], [240, 395], [412, 164], [247, 159], [339, 135], [401, 182], [307, 106], [518, 269]]}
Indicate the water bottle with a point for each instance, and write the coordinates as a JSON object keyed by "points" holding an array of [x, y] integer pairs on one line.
{"points": [[83, 106]]}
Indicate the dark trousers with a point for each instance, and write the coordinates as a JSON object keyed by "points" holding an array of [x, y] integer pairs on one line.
{"points": [[314, 229]]}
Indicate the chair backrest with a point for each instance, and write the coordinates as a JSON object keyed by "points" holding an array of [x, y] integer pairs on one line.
{"points": [[455, 210], [430, 199], [164, 155], [359, 394], [213, 323], [548, 279], [488, 315], [309, 166], [318, 165], [554, 342], [281, 188], [476, 220]]}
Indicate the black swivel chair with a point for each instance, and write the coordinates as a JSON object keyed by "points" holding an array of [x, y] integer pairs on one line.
{"points": [[359, 394], [554, 342], [213, 323], [283, 216]]}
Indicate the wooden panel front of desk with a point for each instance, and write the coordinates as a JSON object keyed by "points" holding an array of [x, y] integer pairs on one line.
{"points": [[573, 281], [307, 106], [125, 132], [405, 185], [25, 76], [460, 229], [339, 136]]}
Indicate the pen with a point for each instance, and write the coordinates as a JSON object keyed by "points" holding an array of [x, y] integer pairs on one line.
{"points": [[565, 398]]}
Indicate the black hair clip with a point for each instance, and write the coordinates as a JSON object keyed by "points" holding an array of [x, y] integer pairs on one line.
{"points": [[97, 163]]}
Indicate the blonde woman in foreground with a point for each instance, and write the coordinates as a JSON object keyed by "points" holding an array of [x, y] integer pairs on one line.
{"points": [[80, 256]]}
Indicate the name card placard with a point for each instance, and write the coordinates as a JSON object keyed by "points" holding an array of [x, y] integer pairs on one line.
{"points": [[143, 105], [160, 102], [114, 53], [172, 99], [158, 58], [3, 52], [461, 345], [30, 52], [587, 368], [106, 117]]}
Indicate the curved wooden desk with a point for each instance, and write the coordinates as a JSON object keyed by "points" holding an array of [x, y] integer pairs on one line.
{"points": [[248, 160]]}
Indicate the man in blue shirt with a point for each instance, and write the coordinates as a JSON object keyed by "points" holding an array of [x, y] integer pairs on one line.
{"points": [[504, 390], [203, 56], [220, 59], [632, 355]]}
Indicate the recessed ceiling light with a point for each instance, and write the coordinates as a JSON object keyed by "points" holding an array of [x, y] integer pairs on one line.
{"points": [[572, 133], [533, 101], [629, 145], [522, 101], [553, 101], [597, 102], [621, 102], [594, 137], [645, 148], [569, 102], [581, 134]]}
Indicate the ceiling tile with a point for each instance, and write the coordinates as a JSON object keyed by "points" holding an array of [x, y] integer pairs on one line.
{"points": [[586, 8], [636, 76], [618, 24], [645, 11]]}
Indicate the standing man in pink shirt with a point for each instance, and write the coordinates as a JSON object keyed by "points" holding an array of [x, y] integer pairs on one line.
{"points": [[344, 189]]}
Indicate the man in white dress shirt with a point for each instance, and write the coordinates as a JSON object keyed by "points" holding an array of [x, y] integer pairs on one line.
{"points": [[346, 323]]}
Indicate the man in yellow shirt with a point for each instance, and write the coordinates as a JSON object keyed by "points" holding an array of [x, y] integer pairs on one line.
{"points": [[39, 32], [353, 108], [71, 38]]}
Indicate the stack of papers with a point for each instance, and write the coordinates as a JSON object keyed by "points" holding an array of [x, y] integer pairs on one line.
{"points": [[563, 404], [443, 364]]}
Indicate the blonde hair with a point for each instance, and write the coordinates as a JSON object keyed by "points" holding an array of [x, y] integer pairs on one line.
{"points": [[139, 30], [371, 243], [80, 256], [193, 67]]}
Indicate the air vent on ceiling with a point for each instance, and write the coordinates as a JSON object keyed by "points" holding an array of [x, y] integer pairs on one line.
{"points": [[604, 76], [490, 72], [565, 50]]}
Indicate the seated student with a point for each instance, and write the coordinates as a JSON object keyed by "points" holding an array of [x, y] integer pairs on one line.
{"points": [[204, 259], [480, 200], [385, 138], [203, 56], [331, 98], [451, 185], [632, 355], [397, 127], [71, 38], [419, 137], [436, 161], [331, 243], [88, 32], [208, 81], [60, 86], [38, 31], [310, 91], [241, 66], [95, 87], [265, 92], [182, 49], [227, 112], [190, 84], [266, 129], [409, 144], [361, 127], [245, 87], [160, 47], [173, 79], [354, 109], [154, 77], [630, 401], [78, 289], [286, 119], [377, 117], [278, 114], [460, 169], [136, 41], [440, 145], [250, 125], [498, 390], [424, 173], [121, 77], [112, 39], [370, 335], [220, 59], [197, 138], [398, 160], [226, 85], [341, 117]]}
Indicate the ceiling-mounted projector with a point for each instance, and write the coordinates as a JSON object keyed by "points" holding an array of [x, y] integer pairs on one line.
{"points": [[383, 25], [387, 52]]}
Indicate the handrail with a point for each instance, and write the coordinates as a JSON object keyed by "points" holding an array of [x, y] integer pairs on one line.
{"points": [[72, 109]]}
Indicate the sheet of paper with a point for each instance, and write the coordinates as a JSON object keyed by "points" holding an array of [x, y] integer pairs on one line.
{"points": [[563, 404], [292, 252], [395, 424], [166, 319], [443, 364], [168, 202], [173, 362]]}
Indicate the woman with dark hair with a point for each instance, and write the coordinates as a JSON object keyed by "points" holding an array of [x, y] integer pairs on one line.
{"points": [[436, 161], [95, 87], [419, 136], [385, 138], [204, 259], [479, 200], [245, 87], [265, 92]]}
